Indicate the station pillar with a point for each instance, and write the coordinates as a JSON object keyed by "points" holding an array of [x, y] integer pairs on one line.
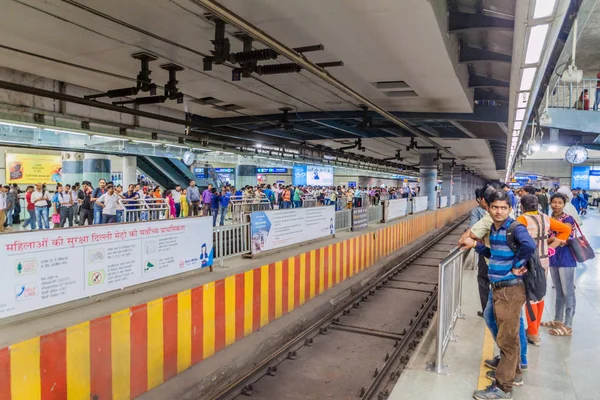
{"points": [[464, 184], [129, 171], [447, 181], [96, 167], [245, 175], [457, 179], [428, 179], [72, 167]]}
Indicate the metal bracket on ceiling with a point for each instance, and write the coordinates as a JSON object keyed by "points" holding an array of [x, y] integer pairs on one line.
{"points": [[367, 121], [357, 145], [396, 157], [171, 90]]}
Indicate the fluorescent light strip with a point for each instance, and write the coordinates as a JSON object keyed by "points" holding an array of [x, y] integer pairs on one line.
{"points": [[535, 44], [18, 125], [106, 137], [543, 8], [144, 142], [527, 78], [178, 146], [67, 132], [520, 114], [522, 99], [518, 125]]}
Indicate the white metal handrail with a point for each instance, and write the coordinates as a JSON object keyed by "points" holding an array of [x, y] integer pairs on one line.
{"points": [[343, 220], [150, 209], [376, 213], [449, 303], [584, 95], [231, 241]]}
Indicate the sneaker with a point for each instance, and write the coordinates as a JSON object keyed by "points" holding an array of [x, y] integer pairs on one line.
{"points": [[493, 363], [492, 392], [524, 367], [491, 375]]}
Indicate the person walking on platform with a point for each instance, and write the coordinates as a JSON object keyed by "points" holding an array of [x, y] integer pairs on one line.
{"points": [[185, 206], [176, 194], [206, 200], [562, 270], [539, 227], [193, 199], [96, 194], [65, 199], [224, 204], [85, 201], [30, 209], [40, 198], [506, 270], [215, 200], [483, 281]]}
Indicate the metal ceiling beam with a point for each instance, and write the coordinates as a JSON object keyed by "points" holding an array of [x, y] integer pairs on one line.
{"points": [[481, 94], [461, 22], [479, 114], [472, 55], [476, 81], [227, 15]]}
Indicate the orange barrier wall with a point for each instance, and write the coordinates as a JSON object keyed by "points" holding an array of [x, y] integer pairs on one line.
{"points": [[124, 354]]}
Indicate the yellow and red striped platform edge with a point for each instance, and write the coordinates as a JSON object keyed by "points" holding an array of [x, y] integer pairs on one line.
{"points": [[124, 354]]}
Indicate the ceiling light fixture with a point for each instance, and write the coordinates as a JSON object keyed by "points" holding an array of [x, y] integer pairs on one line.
{"points": [[543, 8], [106, 137], [18, 125], [527, 78], [522, 99], [66, 132], [518, 125], [520, 114], [535, 44]]}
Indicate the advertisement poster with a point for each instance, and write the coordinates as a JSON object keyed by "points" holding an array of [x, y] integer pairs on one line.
{"points": [[360, 218], [419, 204], [581, 177], [299, 175], [33, 168], [594, 179], [317, 175], [279, 228], [45, 268], [395, 209]]}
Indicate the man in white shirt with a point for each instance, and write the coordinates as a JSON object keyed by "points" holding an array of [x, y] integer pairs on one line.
{"points": [[109, 202], [176, 194], [66, 201], [2, 208], [40, 199]]}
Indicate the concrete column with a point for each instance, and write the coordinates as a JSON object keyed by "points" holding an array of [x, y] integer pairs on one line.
{"points": [[245, 175], [447, 181], [428, 179], [457, 179], [129, 171], [72, 167], [96, 167]]}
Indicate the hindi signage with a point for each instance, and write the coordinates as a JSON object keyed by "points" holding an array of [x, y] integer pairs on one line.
{"points": [[45, 268], [279, 228], [360, 218]]}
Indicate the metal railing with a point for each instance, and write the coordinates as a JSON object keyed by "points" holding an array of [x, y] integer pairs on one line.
{"points": [[308, 200], [245, 205], [231, 240], [584, 95], [343, 220], [450, 275], [144, 209], [375, 213]]}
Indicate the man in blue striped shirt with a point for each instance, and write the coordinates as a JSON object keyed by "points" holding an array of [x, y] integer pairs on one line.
{"points": [[506, 270]]}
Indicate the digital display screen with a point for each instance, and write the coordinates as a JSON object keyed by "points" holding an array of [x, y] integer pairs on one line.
{"points": [[595, 179], [224, 170], [271, 170]]}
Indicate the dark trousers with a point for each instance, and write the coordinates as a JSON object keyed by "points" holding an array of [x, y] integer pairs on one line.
{"points": [[86, 215], [194, 209], [206, 210], [66, 214], [177, 210], [508, 302], [483, 281]]}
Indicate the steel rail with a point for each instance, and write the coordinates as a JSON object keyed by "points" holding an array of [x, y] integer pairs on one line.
{"points": [[230, 17], [288, 350]]}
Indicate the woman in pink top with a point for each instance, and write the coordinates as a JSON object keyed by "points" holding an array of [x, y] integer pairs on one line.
{"points": [[171, 202]]}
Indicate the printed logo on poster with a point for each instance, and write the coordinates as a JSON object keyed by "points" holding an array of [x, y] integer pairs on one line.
{"points": [[96, 277], [96, 256], [27, 291], [26, 267], [150, 266]]}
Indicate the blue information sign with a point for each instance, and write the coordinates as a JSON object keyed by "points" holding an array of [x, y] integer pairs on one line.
{"points": [[224, 170], [271, 170]]}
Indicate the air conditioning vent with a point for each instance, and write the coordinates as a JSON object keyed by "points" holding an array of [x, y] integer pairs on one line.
{"points": [[208, 100], [229, 107], [401, 93], [389, 85]]}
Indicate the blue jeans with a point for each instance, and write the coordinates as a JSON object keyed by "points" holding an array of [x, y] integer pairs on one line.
{"points": [[119, 215], [214, 212], [286, 204], [297, 204], [41, 216], [490, 321], [31, 220], [9, 217], [223, 212], [109, 218], [597, 102], [564, 283], [97, 215]]}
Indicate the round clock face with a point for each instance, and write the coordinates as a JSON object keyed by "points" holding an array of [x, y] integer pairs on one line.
{"points": [[189, 158], [576, 154]]}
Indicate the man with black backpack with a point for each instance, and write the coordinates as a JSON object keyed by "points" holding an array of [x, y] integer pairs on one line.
{"points": [[506, 272]]}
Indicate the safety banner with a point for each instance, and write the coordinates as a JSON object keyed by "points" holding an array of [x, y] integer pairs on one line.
{"points": [[45, 268], [279, 228], [395, 209], [33, 168]]}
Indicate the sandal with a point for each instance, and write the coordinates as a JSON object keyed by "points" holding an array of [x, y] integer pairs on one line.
{"points": [[551, 324], [561, 331]]}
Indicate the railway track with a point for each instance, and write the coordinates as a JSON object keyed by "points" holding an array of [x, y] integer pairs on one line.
{"points": [[359, 350]]}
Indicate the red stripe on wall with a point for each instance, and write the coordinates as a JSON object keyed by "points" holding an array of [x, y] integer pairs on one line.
{"points": [[139, 350], [326, 267], [169, 337], [334, 260], [5, 373], [306, 275], [296, 282], [100, 358], [240, 281], [197, 325], [285, 272], [272, 288], [346, 266], [53, 366], [219, 315], [256, 300]]}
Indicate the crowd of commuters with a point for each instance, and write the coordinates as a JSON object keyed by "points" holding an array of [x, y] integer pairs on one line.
{"points": [[511, 231]]}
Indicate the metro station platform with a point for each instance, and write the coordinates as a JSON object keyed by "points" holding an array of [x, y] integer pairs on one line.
{"points": [[564, 368]]}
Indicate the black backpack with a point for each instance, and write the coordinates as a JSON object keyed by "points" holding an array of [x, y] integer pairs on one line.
{"points": [[535, 278]]}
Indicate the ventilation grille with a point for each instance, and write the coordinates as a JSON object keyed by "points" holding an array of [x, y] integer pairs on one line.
{"points": [[395, 89], [401, 93], [229, 107], [207, 100]]}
